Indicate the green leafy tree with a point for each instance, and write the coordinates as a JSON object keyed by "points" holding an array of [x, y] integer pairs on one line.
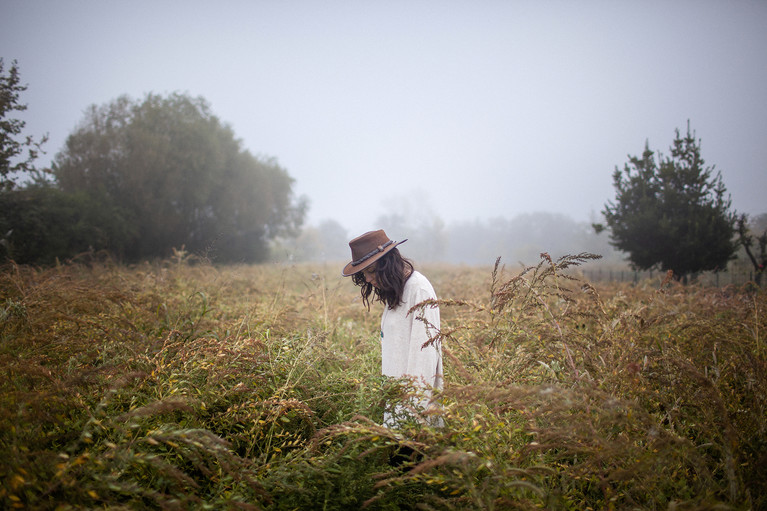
{"points": [[181, 177], [43, 224], [672, 212], [13, 145]]}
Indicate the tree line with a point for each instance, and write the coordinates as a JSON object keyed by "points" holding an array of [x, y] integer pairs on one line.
{"points": [[517, 240], [670, 213], [140, 177]]}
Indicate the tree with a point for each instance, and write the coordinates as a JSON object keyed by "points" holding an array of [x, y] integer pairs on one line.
{"points": [[672, 212], [43, 224], [328, 241], [11, 149], [411, 217], [181, 177]]}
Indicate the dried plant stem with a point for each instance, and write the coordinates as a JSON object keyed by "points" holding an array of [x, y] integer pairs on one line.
{"points": [[546, 307], [756, 327]]}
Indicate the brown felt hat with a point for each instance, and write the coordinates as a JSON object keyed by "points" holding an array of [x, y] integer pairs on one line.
{"points": [[367, 249]]}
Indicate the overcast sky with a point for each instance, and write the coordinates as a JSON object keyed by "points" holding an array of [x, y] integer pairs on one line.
{"points": [[479, 109]]}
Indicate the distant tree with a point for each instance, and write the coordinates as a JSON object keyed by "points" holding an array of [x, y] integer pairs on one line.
{"points": [[754, 245], [324, 243], [181, 177], [522, 238], [335, 241], [12, 158], [412, 217], [672, 212]]}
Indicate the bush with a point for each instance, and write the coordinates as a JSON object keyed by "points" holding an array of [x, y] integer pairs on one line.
{"points": [[41, 225]]}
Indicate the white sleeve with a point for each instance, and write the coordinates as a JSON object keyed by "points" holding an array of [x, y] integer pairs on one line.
{"points": [[423, 363]]}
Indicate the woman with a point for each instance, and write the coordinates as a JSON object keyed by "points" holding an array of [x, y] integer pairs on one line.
{"points": [[407, 347]]}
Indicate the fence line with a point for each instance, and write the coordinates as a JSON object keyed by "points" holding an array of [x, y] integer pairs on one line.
{"points": [[716, 279]]}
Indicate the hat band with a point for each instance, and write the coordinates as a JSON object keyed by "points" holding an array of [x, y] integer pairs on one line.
{"points": [[371, 254]]}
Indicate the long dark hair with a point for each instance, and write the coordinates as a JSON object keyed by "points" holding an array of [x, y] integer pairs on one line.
{"points": [[392, 271]]}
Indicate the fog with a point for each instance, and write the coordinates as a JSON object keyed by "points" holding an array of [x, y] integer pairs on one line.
{"points": [[424, 117], [518, 242]]}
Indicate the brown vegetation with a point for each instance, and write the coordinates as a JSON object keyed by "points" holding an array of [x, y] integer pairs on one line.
{"points": [[178, 386]]}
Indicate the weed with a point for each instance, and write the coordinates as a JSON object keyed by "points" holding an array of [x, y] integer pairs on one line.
{"points": [[180, 385]]}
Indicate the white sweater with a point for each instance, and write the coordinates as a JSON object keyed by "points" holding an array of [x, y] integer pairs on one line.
{"points": [[403, 335]]}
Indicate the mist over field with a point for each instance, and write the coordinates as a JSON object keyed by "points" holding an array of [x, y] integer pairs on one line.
{"points": [[518, 242], [471, 110], [477, 242], [476, 131]]}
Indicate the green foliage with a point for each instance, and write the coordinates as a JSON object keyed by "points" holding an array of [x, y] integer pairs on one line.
{"points": [[181, 177], [672, 212], [11, 148], [43, 223], [177, 386]]}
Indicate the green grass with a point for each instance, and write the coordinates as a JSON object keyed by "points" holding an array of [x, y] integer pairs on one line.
{"points": [[190, 386]]}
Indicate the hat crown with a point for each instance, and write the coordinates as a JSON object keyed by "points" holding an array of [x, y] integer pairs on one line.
{"points": [[371, 241], [367, 249]]}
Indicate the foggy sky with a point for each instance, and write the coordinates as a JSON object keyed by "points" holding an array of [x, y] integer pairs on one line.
{"points": [[463, 110]]}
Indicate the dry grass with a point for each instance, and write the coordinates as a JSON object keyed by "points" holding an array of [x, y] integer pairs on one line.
{"points": [[180, 385]]}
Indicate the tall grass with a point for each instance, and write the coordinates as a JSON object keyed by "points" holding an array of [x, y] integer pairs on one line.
{"points": [[188, 386]]}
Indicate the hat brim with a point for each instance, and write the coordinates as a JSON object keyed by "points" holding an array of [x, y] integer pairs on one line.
{"points": [[351, 269]]}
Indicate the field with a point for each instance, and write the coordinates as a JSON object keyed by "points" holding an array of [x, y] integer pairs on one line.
{"points": [[181, 385]]}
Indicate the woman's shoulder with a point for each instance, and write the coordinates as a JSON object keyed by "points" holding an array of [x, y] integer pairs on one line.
{"points": [[416, 282]]}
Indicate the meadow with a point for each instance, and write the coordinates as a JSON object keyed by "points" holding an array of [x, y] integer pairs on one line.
{"points": [[183, 385]]}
